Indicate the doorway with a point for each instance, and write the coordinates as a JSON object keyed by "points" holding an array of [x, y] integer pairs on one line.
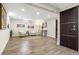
{"points": [[56, 28]]}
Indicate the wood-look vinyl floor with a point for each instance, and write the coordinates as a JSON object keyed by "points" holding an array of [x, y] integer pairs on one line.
{"points": [[36, 45]]}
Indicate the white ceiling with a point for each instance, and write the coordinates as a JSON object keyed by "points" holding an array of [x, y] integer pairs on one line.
{"points": [[29, 13], [60, 5], [63, 6]]}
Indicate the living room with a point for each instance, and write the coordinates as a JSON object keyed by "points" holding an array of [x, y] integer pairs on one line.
{"points": [[35, 29]]}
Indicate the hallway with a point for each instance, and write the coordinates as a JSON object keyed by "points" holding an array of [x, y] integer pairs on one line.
{"points": [[35, 45]]}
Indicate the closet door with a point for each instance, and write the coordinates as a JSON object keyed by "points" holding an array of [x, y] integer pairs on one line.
{"points": [[69, 28]]}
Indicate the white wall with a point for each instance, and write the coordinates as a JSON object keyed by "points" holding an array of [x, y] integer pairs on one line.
{"points": [[4, 37], [16, 30], [51, 27]]}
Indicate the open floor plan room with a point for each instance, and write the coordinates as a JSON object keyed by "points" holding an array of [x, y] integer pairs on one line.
{"points": [[39, 28]]}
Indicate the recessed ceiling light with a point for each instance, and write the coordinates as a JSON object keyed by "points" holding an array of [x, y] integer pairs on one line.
{"points": [[48, 16], [22, 9], [37, 13]]}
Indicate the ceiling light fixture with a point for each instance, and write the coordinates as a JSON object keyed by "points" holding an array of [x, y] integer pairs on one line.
{"points": [[37, 13], [48, 16], [22, 9]]}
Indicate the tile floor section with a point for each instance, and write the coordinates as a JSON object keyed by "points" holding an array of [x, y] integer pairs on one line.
{"points": [[36, 45]]}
